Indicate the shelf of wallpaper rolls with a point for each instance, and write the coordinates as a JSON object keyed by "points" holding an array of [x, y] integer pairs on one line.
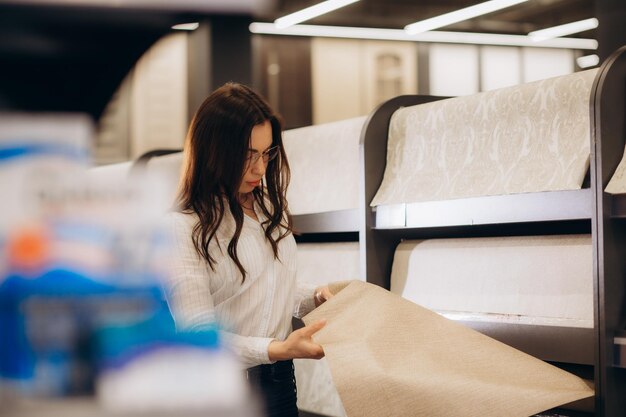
{"points": [[592, 350]]}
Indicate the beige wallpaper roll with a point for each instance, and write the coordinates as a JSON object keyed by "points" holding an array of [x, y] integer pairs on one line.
{"points": [[526, 138], [392, 358], [320, 264], [617, 183], [168, 168], [545, 280], [324, 162]]}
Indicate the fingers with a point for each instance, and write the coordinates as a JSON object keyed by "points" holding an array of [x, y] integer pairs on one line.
{"points": [[319, 354], [327, 294], [321, 295], [313, 328], [301, 345]]}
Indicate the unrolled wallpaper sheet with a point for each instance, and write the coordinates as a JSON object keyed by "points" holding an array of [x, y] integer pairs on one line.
{"points": [[391, 357], [324, 162], [320, 264], [526, 138], [541, 280]]}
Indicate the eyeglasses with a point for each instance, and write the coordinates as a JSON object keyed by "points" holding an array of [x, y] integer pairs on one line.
{"points": [[268, 155]]}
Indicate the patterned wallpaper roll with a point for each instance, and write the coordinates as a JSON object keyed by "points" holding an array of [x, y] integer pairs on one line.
{"points": [[527, 138], [617, 183], [324, 162]]}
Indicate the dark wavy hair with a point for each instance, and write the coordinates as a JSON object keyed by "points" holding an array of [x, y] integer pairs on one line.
{"points": [[215, 155]]}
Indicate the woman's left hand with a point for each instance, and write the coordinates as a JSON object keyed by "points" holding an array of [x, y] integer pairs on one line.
{"points": [[321, 295]]}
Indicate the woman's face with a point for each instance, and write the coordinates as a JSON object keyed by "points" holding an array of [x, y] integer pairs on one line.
{"points": [[260, 142]]}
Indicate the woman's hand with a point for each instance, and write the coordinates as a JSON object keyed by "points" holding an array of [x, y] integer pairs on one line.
{"points": [[298, 345], [321, 295]]}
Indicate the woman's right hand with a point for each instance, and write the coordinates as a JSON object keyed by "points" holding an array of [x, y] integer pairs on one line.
{"points": [[298, 345]]}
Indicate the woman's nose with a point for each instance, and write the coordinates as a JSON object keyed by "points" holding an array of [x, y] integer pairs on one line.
{"points": [[259, 167]]}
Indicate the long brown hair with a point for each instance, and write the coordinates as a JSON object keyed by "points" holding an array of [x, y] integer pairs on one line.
{"points": [[216, 149]]}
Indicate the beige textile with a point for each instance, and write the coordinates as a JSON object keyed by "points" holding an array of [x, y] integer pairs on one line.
{"points": [[390, 357], [526, 138]]}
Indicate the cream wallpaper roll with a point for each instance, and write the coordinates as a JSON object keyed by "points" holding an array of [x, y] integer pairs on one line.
{"points": [[617, 183], [544, 280], [526, 138], [320, 264], [168, 168], [324, 162], [392, 358]]}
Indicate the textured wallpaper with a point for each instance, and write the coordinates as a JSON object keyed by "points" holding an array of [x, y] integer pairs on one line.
{"points": [[324, 162], [527, 138]]}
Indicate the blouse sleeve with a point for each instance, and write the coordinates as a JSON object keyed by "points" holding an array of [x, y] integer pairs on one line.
{"points": [[189, 296], [304, 302]]}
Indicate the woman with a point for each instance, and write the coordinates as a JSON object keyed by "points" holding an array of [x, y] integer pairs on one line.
{"points": [[236, 261]]}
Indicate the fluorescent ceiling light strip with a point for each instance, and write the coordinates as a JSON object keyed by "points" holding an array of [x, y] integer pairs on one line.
{"points": [[459, 15], [588, 61], [562, 30], [311, 12], [186, 26], [434, 36]]}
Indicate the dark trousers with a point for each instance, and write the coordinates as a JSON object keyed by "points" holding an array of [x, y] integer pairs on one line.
{"points": [[276, 385]]}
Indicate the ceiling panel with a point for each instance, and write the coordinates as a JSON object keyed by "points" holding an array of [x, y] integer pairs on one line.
{"points": [[395, 14]]}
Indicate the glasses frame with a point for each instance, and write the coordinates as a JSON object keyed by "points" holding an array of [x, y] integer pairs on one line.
{"points": [[267, 155]]}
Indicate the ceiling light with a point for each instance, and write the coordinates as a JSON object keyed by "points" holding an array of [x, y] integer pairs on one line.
{"points": [[433, 36], [562, 30], [311, 12], [588, 61], [186, 26], [459, 15]]}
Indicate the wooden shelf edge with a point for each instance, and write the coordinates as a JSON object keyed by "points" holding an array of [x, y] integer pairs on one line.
{"points": [[504, 209]]}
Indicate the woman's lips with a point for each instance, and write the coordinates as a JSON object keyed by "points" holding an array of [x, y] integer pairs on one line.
{"points": [[253, 183]]}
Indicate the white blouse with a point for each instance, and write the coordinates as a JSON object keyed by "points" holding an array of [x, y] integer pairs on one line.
{"points": [[252, 314]]}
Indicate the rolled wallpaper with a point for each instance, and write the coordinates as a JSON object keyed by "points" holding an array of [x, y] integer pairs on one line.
{"points": [[112, 172], [617, 183], [168, 169], [392, 358], [320, 264], [324, 163], [526, 138], [543, 280]]}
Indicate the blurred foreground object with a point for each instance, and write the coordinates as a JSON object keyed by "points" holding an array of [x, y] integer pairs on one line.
{"points": [[82, 309]]}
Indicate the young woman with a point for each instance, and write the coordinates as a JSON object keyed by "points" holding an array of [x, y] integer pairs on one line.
{"points": [[236, 260]]}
